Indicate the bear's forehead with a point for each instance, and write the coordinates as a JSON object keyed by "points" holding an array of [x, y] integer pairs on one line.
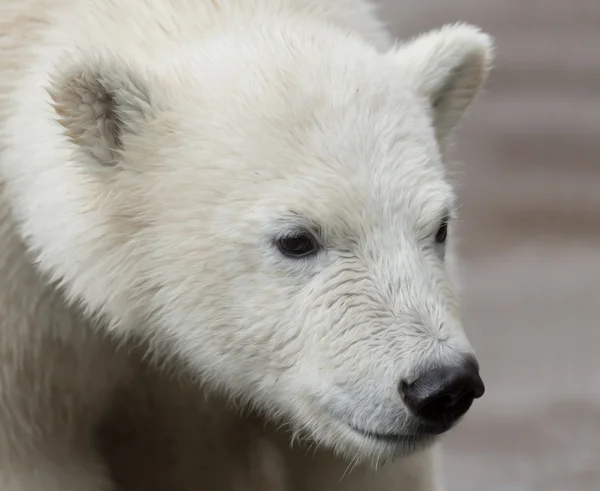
{"points": [[337, 155], [384, 158], [358, 124], [361, 203], [341, 141]]}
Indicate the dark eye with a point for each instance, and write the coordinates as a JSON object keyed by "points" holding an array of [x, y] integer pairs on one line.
{"points": [[298, 245], [442, 233]]}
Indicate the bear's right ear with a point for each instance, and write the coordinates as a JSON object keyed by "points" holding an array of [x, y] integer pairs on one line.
{"points": [[98, 103]]}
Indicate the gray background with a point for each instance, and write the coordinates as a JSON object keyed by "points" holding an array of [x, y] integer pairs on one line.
{"points": [[530, 244]]}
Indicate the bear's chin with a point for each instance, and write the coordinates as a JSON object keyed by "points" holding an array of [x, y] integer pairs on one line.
{"points": [[365, 447]]}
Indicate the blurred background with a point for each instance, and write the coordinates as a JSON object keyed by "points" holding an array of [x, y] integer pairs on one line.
{"points": [[529, 243]]}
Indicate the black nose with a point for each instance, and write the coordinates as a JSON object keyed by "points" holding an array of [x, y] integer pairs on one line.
{"points": [[442, 395]]}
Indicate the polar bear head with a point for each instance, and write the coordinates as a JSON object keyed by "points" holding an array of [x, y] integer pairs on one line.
{"points": [[270, 206]]}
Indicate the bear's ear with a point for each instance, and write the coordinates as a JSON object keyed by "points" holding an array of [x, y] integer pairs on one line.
{"points": [[98, 103], [448, 67]]}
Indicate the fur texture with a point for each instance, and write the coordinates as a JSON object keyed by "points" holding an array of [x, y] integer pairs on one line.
{"points": [[153, 154]]}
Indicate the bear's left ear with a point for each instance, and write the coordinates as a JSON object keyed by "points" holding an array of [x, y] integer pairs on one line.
{"points": [[448, 67]]}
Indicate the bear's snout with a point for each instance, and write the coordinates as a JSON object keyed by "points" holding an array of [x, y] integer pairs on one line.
{"points": [[441, 396]]}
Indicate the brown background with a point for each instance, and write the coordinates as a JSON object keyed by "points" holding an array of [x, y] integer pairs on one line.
{"points": [[530, 238]]}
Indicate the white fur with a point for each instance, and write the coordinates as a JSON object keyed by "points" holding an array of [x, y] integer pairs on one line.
{"points": [[150, 153]]}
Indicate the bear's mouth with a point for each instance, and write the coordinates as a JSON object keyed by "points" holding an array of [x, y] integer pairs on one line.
{"points": [[382, 437], [411, 438]]}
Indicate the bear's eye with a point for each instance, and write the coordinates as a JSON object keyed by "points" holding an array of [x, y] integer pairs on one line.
{"points": [[442, 232], [297, 245]]}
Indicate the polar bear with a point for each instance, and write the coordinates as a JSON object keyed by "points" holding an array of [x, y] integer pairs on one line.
{"points": [[253, 193]]}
